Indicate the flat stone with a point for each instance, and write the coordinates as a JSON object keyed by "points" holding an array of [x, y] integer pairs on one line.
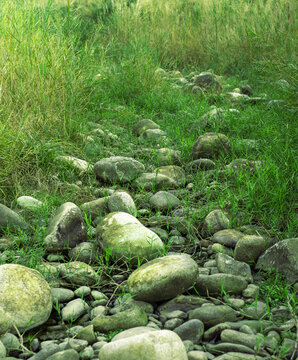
{"points": [[184, 303], [163, 278], [232, 355], [219, 284], [66, 229], [164, 200], [28, 202], [212, 315], [132, 332], [226, 264], [237, 337], [11, 219], [220, 348], [154, 345], [227, 237]]}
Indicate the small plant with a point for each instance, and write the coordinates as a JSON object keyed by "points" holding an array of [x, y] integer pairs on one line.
{"points": [[111, 334]]}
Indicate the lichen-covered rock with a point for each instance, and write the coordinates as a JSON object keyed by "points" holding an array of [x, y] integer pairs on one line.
{"points": [[163, 278], [152, 181], [212, 315], [164, 200], [219, 284], [153, 345], [118, 169], [143, 125], [174, 172], [125, 237], [249, 248], [11, 219], [168, 156], [122, 201], [79, 273], [216, 220], [26, 298], [66, 229], [210, 145]]}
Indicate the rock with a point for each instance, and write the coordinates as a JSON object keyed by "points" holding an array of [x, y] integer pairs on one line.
{"points": [[232, 355], [78, 164], [61, 295], [11, 342], [123, 320], [201, 165], [7, 243], [237, 337], [96, 207], [28, 202], [219, 284], [239, 165], [163, 278], [82, 292], [246, 90], [174, 172], [191, 330], [184, 303], [227, 237], [74, 309], [26, 298], [154, 135], [83, 252], [144, 125], [216, 220], [227, 265], [2, 350], [46, 352], [197, 355], [249, 248], [154, 345], [251, 291], [118, 169], [212, 315], [66, 229], [69, 354], [161, 233], [79, 273], [215, 330], [164, 200], [256, 311], [210, 145], [132, 332], [223, 348], [283, 257], [236, 97], [122, 201], [11, 219], [87, 333], [205, 79], [152, 181], [283, 84], [168, 156], [125, 236]]}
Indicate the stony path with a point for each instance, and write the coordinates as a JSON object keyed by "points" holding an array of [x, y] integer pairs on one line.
{"points": [[196, 294]]}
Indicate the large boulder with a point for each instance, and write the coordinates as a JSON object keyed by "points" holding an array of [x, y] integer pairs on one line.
{"points": [[283, 257], [11, 219], [163, 278], [66, 229], [210, 145], [26, 298], [153, 345], [125, 237], [118, 169]]}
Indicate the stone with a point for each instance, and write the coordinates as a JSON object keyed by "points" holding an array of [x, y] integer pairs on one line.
{"points": [[246, 90], [219, 284], [11, 219], [74, 309], [143, 125], [163, 278], [62, 295], [87, 333], [191, 330], [66, 229], [123, 320], [7, 243], [28, 202], [240, 165], [215, 330], [78, 273], [256, 311], [283, 257], [118, 169], [225, 347], [237, 337], [168, 156], [216, 220], [82, 291], [122, 201], [96, 207], [154, 135], [226, 264], [132, 332], [153, 181], [46, 352], [237, 97], [87, 353], [174, 172], [164, 200], [249, 248], [201, 165], [210, 145], [183, 303], [84, 252], [78, 164], [197, 355], [227, 237], [212, 315], [26, 298], [232, 355], [153, 345], [11, 342], [161, 233], [125, 236], [2, 350], [69, 354], [252, 291]]}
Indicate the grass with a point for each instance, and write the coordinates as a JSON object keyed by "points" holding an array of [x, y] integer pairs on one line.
{"points": [[68, 64]]}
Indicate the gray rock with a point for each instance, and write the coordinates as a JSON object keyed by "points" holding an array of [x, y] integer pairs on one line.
{"points": [[154, 135], [143, 125], [283, 257], [174, 172], [163, 278], [87, 333], [232, 355], [257, 310], [122, 320], [219, 284], [216, 220], [69, 354], [10, 342], [61, 295], [237, 337], [168, 156], [192, 330], [228, 265], [210, 145], [172, 324], [122, 201], [46, 352], [249, 248], [132, 332], [228, 347], [153, 181], [75, 344], [11, 219], [66, 229], [84, 252], [82, 291], [96, 207], [251, 291], [201, 164], [87, 353], [78, 273], [153, 345], [26, 298], [215, 330], [197, 355], [2, 350], [212, 315], [163, 234], [124, 235], [74, 309], [183, 303], [227, 237], [118, 169], [164, 200], [28, 202]]}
